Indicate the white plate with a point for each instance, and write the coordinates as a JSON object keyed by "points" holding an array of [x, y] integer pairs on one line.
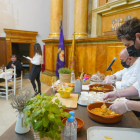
{"points": [[81, 104], [116, 133]]}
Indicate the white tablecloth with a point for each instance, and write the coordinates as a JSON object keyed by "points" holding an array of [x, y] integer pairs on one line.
{"points": [[9, 75]]}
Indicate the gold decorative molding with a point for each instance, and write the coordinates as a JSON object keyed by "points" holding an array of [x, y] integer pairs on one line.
{"points": [[7, 38], [99, 38], [54, 35], [80, 35], [20, 34], [117, 6]]}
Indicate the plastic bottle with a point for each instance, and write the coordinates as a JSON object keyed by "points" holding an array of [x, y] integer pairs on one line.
{"points": [[72, 77], [73, 114], [70, 131]]}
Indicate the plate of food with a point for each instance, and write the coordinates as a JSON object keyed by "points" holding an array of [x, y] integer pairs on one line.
{"points": [[69, 84], [97, 77], [99, 112], [100, 87]]}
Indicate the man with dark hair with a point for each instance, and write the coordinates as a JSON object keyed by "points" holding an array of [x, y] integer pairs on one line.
{"points": [[129, 34], [15, 62]]}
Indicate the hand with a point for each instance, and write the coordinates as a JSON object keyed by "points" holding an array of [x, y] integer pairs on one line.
{"points": [[29, 61], [111, 96], [108, 79], [118, 107], [12, 65]]}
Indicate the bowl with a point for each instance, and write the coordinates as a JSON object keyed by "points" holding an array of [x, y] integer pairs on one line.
{"points": [[108, 87], [65, 93], [80, 123], [100, 118]]}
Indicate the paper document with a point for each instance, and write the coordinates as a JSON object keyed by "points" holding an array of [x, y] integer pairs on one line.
{"points": [[27, 57]]}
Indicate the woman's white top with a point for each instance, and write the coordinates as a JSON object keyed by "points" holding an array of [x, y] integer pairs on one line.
{"points": [[128, 76], [37, 59]]}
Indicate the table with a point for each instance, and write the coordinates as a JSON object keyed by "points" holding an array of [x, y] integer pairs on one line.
{"points": [[9, 74], [129, 121]]}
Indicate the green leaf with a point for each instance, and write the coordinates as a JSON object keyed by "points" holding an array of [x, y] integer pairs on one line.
{"points": [[65, 114], [47, 105], [63, 106], [57, 136], [36, 113], [27, 121], [51, 117], [61, 110], [50, 134], [38, 124], [55, 127], [57, 101], [27, 113], [43, 110], [59, 122], [43, 94], [45, 122]]}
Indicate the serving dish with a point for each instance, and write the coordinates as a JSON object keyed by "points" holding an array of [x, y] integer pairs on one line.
{"points": [[80, 123], [65, 93], [100, 87], [112, 133], [100, 118]]}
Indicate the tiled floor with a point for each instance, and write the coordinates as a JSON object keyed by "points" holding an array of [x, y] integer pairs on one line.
{"points": [[7, 114]]}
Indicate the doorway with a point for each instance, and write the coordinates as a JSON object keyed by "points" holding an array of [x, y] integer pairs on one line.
{"points": [[20, 49]]}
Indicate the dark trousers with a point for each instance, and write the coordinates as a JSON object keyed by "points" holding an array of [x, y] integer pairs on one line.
{"points": [[35, 75]]}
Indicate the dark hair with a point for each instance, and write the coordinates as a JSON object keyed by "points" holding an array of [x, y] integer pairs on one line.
{"points": [[129, 29], [13, 55], [37, 49]]}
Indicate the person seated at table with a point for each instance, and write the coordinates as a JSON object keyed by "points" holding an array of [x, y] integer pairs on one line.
{"points": [[15, 62], [129, 34], [128, 75]]}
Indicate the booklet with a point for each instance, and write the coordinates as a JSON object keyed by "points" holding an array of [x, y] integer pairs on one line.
{"points": [[27, 57]]}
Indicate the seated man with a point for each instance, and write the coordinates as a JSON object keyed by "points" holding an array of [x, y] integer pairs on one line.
{"points": [[128, 75], [16, 63]]}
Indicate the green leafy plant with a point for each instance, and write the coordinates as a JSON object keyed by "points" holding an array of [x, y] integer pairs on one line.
{"points": [[44, 115], [64, 71]]}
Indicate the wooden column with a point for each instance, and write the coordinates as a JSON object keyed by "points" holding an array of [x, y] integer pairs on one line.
{"points": [[80, 18], [56, 15], [8, 49]]}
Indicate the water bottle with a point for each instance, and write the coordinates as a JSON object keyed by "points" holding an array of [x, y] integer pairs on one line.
{"points": [[73, 114], [72, 77], [70, 131]]}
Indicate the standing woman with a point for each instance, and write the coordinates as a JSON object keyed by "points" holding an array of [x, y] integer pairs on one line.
{"points": [[36, 68]]}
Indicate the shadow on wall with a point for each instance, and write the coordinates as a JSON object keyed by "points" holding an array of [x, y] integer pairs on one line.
{"points": [[7, 19]]}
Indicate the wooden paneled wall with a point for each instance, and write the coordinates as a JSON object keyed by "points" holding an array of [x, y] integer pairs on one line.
{"points": [[3, 53], [107, 19], [92, 54]]}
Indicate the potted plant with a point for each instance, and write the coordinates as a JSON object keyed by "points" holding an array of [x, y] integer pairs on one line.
{"points": [[64, 75], [44, 116], [18, 102]]}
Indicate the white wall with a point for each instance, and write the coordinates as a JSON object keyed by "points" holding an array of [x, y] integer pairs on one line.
{"points": [[30, 15], [34, 15]]}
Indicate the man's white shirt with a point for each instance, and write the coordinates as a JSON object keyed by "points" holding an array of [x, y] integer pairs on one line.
{"points": [[128, 76], [137, 84]]}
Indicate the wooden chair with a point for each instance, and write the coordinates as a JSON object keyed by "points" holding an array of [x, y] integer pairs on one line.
{"points": [[9, 85], [19, 81]]}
